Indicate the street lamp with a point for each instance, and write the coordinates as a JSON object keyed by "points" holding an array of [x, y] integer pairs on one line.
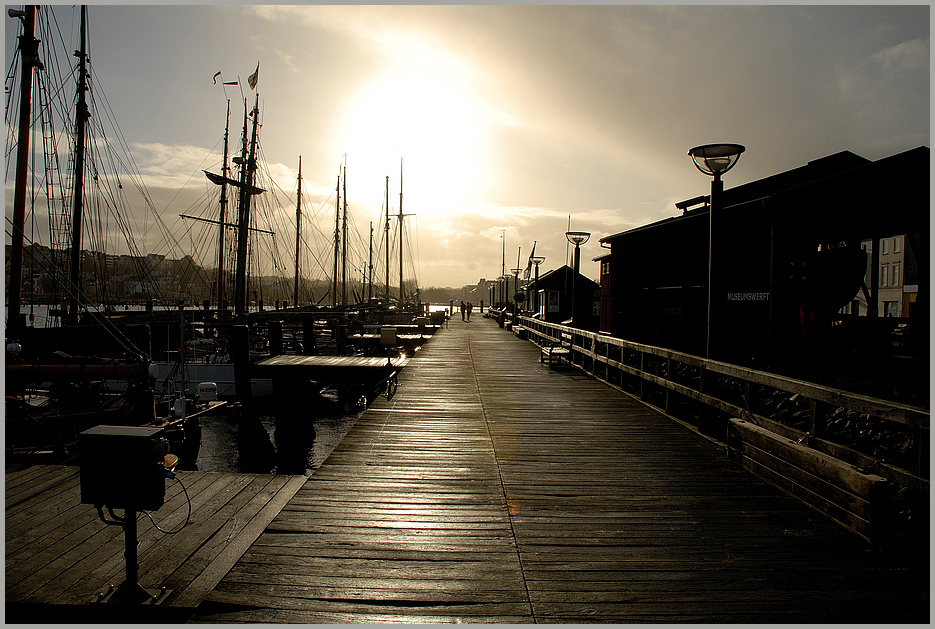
{"points": [[577, 239], [714, 160], [536, 260], [515, 273]]}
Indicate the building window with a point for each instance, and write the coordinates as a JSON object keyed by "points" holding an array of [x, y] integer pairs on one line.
{"points": [[883, 248], [896, 274], [884, 271], [897, 244], [890, 308]]}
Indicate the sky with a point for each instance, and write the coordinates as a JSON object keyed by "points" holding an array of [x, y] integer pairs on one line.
{"points": [[512, 122]]}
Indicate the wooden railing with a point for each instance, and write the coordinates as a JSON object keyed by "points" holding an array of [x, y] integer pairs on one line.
{"points": [[890, 438]]}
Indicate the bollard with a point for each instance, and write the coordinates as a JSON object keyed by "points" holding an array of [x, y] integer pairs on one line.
{"points": [[274, 332]]}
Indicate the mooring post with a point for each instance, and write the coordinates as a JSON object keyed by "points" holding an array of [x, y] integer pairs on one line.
{"points": [[308, 332], [274, 331], [240, 354]]}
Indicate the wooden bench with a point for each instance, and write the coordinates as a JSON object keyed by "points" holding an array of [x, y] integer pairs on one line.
{"points": [[554, 351], [519, 331], [841, 491]]}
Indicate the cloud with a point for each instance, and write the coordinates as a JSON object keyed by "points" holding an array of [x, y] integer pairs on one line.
{"points": [[906, 57], [175, 166]]}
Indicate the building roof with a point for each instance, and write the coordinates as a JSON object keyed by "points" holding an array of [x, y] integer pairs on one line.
{"points": [[556, 278], [829, 185]]}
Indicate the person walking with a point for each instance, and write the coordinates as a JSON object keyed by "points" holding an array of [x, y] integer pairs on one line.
{"points": [[470, 307], [463, 307]]}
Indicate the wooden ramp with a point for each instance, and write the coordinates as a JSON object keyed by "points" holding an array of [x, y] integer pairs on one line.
{"points": [[492, 489], [59, 555]]}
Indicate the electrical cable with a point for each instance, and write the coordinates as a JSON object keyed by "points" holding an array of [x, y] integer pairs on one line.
{"points": [[171, 474]]}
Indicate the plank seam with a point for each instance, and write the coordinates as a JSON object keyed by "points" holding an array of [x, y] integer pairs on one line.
{"points": [[519, 555]]}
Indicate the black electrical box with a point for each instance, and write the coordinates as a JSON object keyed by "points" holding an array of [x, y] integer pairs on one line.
{"points": [[123, 467]]}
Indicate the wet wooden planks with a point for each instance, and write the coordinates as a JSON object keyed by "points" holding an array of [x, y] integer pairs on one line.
{"points": [[59, 553], [622, 515], [493, 489], [405, 521]]}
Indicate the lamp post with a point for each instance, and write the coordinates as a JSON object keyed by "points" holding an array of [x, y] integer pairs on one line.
{"points": [[577, 239], [537, 260], [515, 273], [714, 160]]}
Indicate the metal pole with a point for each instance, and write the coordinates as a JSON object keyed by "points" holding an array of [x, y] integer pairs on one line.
{"points": [[717, 187], [574, 285], [536, 291]]}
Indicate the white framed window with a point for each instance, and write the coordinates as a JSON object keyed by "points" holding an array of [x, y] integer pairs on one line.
{"points": [[896, 274], [897, 244], [884, 271], [884, 245]]}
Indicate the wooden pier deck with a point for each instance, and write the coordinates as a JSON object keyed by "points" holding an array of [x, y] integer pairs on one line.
{"points": [[59, 555], [492, 489], [488, 489]]}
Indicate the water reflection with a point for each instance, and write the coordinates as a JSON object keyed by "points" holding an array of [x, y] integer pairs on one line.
{"points": [[279, 440]]}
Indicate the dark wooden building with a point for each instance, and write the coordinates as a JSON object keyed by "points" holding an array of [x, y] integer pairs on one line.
{"points": [[787, 257], [555, 290]]}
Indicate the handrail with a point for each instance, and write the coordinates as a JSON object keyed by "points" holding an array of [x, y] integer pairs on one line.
{"points": [[690, 376]]}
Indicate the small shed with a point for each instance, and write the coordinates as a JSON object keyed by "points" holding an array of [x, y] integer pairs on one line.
{"points": [[555, 289]]}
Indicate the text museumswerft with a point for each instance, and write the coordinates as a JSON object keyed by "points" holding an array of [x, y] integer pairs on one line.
{"points": [[747, 296]]}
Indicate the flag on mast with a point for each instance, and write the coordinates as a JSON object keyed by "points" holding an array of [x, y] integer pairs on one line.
{"points": [[529, 264], [253, 78]]}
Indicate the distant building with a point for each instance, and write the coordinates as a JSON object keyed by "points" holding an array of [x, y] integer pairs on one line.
{"points": [[555, 290], [897, 279]]}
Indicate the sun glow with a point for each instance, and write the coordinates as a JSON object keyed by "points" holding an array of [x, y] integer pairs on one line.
{"points": [[431, 124]]}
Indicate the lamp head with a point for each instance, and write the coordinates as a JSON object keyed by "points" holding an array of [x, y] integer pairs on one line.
{"points": [[537, 260], [716, 159], [577, 238]]}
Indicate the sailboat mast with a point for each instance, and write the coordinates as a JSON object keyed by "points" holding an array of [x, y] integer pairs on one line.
{"points": [[248, 172], [81, 116], [370, 266], [337, 239], [29, 49], [402, 297], [298, 235], [344, 241], [386, 233], [225, 172]]}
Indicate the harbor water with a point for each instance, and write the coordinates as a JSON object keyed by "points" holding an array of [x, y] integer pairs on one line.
{"points": [[232, 441]]}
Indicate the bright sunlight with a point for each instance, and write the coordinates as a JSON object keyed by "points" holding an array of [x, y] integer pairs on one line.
{"points": [[430, 124]]}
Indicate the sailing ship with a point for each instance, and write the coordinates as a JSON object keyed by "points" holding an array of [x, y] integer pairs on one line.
{"points": [[104, 365], [56, 377]]}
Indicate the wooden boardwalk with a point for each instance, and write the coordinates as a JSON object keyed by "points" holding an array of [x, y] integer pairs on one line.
{"points": [[59, 555], [491, 489]]}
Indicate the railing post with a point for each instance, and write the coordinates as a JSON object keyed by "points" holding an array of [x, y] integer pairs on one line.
{"points": [[642, 372], [747, 393], [668, 379], [817, 414]]}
